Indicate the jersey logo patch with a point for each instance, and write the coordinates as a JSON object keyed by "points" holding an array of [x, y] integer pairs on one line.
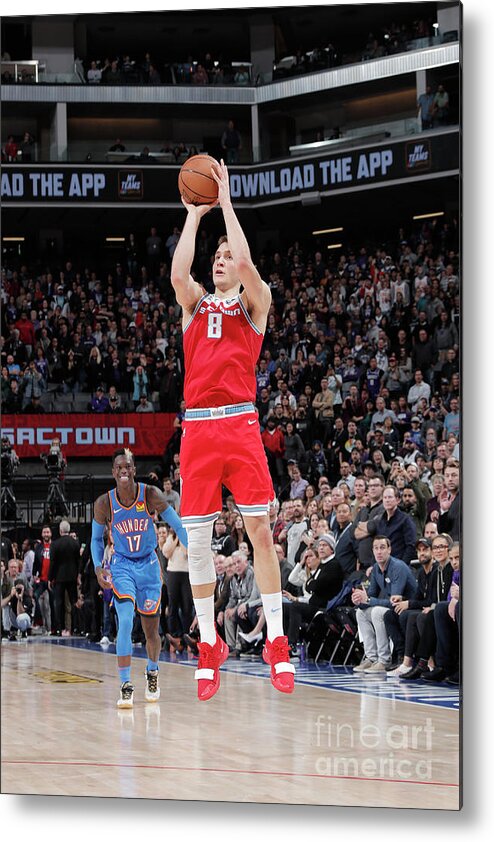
{"points": [[140, 507]]}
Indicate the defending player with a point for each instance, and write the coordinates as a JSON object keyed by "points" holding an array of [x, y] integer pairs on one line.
{"points": [[221, 441], [135, 574]]}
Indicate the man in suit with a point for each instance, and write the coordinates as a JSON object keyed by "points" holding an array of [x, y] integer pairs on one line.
{"points": [[64, 572], [449, 501], [346, 552]]}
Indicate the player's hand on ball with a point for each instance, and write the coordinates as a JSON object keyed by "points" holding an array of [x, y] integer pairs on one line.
{"points": [[220, 175], [198, 210]]}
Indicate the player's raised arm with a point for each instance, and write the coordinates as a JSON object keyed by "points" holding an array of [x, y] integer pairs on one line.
{"points": [[258, 292], [187, 291], [157, 502]]}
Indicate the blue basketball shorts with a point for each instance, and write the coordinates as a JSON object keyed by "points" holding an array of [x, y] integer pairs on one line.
{"points": [[139, 581]]}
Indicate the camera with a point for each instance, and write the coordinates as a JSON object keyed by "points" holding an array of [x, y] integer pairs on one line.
{"points": [[18, 589], [54, 461], [9, 461]]}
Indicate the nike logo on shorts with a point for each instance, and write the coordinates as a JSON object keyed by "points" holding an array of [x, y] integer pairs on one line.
{"points": [[252, 422], [275, 610]]}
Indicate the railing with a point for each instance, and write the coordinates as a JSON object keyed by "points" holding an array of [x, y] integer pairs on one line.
{"points": [[37, 499], [373, 133], [20, 71]]}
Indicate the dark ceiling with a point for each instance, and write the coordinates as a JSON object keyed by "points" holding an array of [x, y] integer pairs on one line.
{"points": [[366, 214], [172, 36]]}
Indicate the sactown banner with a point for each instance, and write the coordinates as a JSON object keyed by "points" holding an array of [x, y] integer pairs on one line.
{"points": [[87, 435]]}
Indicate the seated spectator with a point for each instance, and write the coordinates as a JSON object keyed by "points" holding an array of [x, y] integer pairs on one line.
{"points": [[447, 625], [402, 619], [144, 405], [391, 581], [114, 400], [99, 402], [238, 535], [241, 587], [323, 582], [441, 582], [225, 570], [222, 541]]}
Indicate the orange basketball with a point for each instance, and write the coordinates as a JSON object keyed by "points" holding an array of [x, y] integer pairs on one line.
{"points": [[195, 181]]}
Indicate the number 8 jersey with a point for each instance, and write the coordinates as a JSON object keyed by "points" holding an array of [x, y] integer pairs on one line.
{"points": [[221, 347], [132, 527]]}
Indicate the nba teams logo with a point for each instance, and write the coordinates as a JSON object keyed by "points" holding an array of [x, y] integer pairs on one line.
{"points": [[140, 507], [418, 156], [130, 184]]}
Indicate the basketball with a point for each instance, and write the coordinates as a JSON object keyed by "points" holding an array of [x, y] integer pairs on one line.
{"points": [[195, 181]]}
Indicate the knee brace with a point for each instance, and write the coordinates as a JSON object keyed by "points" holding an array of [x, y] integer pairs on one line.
{"points": [[200, 555], [125, 614]]}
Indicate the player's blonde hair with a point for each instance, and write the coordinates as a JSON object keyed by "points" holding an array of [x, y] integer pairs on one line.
{"points": [[123, 451]]}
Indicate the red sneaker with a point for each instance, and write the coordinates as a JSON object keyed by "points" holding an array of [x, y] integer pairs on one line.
{"points": [[208, 669], [277, 655]]}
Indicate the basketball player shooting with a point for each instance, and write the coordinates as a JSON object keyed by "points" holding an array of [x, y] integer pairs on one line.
{"points": [[221, 441], [135, 573]]}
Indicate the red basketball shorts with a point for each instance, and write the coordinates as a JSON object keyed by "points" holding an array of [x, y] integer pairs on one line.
{"points": [[223, 449]]}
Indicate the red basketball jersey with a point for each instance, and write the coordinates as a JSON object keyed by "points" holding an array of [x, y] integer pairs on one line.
{"points": [[221, 348]]}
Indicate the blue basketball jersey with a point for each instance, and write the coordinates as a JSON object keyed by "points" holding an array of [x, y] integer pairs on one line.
{"points": [[132, 528]]}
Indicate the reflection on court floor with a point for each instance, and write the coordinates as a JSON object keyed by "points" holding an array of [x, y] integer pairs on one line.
{"points": [[324, 676]]}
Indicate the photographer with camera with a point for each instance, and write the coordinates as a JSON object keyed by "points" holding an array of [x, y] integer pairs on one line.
{"points": [[20, 609]]}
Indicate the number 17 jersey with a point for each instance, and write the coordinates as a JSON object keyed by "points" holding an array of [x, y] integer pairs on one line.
{"points": [[221, 347], [132, 527]]}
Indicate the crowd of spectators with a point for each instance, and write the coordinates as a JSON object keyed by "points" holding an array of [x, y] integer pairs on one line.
{"points": [[208, 69], [358, 394], [124, 70]]}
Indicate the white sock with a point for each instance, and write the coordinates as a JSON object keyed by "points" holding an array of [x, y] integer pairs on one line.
{"points": [[273, 612], [205, 617]]}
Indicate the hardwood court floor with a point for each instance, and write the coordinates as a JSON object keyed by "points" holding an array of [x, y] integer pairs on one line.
{"points": [[321, 745]]}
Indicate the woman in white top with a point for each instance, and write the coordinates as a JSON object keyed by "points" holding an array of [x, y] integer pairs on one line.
{"points": [[306, 567], [180, 604]]}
